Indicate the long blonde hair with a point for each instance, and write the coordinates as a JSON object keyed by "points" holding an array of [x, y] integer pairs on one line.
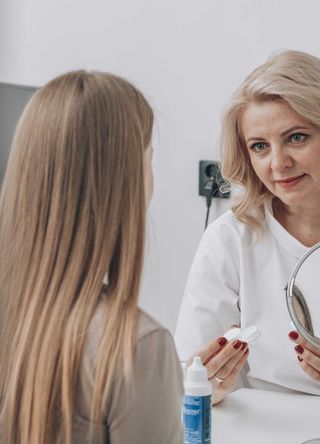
{"points": [[72, 207], [292, 76]]}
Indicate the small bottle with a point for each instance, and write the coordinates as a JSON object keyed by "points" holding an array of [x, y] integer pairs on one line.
{"points": [[197, 404]]}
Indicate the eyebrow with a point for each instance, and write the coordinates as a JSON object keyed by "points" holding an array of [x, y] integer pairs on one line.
{"points": [[289, 130]]}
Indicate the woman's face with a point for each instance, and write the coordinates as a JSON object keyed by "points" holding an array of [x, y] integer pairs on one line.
{"points": [[284, 150], [148, 173]]}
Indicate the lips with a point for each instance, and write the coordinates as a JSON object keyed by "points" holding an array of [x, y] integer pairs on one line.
{"points": [[290, 179]]}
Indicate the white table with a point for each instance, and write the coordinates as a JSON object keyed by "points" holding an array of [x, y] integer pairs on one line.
{"points": [[250, 416]]}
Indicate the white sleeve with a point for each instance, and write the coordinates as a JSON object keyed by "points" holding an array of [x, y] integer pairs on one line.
{"points": [[210, 303]]}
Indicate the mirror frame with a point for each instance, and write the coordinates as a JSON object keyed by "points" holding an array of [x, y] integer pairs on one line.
{"points": [[290, 294]]}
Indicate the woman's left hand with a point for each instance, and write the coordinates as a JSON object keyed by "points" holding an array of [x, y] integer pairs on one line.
{"points": [[307, 354]]}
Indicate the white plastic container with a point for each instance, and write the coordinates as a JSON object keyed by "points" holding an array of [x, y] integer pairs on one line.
{"points": [[197, 404], [249, 334]]}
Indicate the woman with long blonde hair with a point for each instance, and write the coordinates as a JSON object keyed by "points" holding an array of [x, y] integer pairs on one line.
{"points": [[270, 146], [80, 362]]}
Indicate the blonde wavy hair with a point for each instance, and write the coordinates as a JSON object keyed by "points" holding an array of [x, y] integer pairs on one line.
{"points": [[291, 76], [72, 207]]}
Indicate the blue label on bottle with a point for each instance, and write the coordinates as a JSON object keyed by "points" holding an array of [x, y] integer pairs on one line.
{"points": [[197, 419]]}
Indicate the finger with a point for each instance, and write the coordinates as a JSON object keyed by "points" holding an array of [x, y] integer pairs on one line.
{"points": [[209, 351], [299, 339], [221, 389], [219, 360], [233, 365], [239, 360], [212, 349], [238, 367], [309, 357], [309, 370]]}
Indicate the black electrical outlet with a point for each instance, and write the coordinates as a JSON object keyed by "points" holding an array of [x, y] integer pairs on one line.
{"points": [[211, 180]]}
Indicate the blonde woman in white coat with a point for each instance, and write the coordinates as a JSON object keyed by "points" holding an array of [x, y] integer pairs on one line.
{"points": [[270, 146]]}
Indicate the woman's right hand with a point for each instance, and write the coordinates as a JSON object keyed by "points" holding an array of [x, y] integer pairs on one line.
{"points": [[223, 360]]}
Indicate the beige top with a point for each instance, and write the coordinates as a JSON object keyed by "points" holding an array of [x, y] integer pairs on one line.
{"points": [[150, 413]]}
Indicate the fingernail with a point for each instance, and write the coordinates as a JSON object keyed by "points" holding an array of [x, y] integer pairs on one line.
{"points": [[244, 344], [222, 341], [299, 349], [237, 344], [294, 335], [300, 359]]}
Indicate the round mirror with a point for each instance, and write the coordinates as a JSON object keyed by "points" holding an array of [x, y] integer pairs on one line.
{"points": [[303, 296]]}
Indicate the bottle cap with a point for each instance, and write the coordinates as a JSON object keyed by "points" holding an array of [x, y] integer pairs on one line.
{"points": [[250, 334], [197, 371]]}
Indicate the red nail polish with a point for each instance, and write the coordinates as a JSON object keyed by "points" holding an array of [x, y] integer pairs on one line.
{"points": [[294, 335], [244, 344], [222, 341], [300, 359], [237, 344], [299, 349]]}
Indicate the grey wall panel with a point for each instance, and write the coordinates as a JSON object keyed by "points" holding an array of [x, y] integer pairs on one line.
{"points": [[13, 99]]}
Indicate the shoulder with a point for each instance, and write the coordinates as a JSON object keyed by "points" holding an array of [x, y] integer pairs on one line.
{"points": [[153, 335], [153, 342], [147, 327], [147, 324], [224, 243], [228, 225], [228, 231], [150, 334]]}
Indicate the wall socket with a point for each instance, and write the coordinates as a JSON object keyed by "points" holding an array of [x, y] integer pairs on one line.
{"points": [[210, 177]]}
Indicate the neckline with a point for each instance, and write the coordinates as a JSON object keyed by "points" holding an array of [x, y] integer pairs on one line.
{"points": [[285, 239]]}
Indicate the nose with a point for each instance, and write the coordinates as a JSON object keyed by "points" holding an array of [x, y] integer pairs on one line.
{"points": [[280, 160]]}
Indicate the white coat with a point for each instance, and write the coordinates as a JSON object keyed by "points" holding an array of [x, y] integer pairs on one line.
{"points": [[234, 270]]}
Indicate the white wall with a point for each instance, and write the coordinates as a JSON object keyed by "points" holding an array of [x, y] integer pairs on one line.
{"points": [[187, 56]]}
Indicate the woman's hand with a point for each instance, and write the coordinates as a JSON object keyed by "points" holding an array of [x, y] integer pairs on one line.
{"points": [[308, 355], [223, 361]]}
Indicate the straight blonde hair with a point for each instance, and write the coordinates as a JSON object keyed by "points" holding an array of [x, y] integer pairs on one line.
{"points": [[72, 207], [291, 76]]}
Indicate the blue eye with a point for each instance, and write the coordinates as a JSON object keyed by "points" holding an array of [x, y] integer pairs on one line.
{"points": [[298, 137], [258, 147]]}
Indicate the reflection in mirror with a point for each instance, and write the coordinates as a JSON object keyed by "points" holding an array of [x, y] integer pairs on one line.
{"points": [[303, 296], [301, 309]]}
